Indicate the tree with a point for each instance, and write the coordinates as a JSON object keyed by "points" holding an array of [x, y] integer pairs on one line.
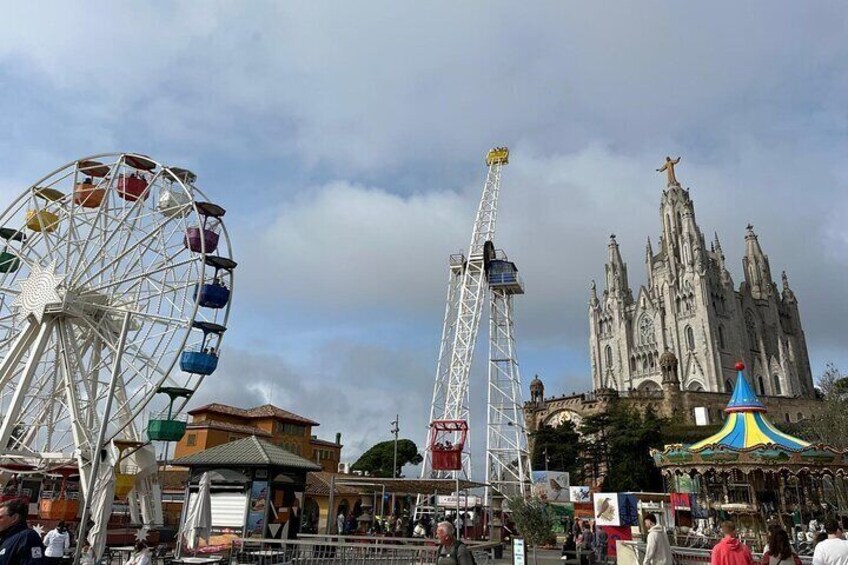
{"points": [[828, 425], [534, 520], [377, 461], [616, 448], [561, 447]]}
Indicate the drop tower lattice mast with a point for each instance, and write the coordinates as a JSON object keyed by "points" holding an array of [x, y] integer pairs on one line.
{"points": [[485, 272]]}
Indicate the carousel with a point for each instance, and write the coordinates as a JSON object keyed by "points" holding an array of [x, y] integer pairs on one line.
{"points": [[753, 473]]}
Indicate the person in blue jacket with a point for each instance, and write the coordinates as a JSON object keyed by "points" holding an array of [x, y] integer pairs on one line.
{"points": [[19, 545]]}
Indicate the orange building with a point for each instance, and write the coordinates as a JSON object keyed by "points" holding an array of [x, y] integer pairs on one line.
{"points": [[216, 424]]}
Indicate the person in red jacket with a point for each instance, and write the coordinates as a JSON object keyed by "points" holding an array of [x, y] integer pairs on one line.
{"points": [[731, 551]]}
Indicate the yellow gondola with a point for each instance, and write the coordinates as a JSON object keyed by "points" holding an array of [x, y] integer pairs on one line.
{"points": [[43, 220]]}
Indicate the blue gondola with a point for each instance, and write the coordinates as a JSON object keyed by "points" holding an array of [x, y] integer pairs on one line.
{"points": [[504, 275], [198, 362], [204, 359], [213, 295]]}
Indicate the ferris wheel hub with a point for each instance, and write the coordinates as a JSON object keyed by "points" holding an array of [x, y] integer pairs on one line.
{"points": [[40, 290]]}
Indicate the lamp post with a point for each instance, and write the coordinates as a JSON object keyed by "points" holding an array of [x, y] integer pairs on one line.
{"points": [[395, 430]]}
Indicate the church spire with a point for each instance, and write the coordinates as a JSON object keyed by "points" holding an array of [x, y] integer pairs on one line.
{"points": [[649, 262], [756, 266], [593, 294], [788, 295], [719, 257], [616, 272]]}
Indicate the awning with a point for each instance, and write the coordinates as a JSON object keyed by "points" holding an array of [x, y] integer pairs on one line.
{"points": [[404, 486]]}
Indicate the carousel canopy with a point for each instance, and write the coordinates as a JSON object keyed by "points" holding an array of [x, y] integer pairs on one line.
{"points": [[747, 424]]}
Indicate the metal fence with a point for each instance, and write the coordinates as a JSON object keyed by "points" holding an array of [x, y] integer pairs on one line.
{"points": [[335, 550], [633, 552]]}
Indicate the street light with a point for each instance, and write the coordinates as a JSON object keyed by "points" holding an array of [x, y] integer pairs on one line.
{"points": [[395, 430]]}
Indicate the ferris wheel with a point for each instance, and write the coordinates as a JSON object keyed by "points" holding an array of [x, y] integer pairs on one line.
{"points": [[116, 276]]}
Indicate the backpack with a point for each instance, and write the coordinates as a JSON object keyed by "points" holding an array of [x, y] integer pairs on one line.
{"points": [[455, 550]]}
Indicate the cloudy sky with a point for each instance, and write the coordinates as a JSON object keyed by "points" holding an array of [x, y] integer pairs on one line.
{"points": [[346, 141]]}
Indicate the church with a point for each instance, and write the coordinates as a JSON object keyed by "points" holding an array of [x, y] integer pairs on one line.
{"points": [[676, 340]]}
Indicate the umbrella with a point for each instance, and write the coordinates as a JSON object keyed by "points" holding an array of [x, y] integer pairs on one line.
{"points": [[198, 522], [101, 506]]}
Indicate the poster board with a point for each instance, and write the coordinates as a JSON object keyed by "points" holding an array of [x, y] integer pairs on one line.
{"points": [[551, 486], [580, 494], [606, 509], [257, 508], [519, 552]]}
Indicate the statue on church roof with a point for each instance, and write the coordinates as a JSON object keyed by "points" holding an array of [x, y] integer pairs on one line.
{"points": [[668, 168]]}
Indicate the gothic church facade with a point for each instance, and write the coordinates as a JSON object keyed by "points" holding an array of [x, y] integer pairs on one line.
{"points": [[690, 306]]}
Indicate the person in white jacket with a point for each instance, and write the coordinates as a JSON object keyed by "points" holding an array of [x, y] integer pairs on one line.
{"points": [[56, 543], [658, 550]]}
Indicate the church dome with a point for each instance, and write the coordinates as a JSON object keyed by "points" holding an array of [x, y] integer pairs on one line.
{"points": [[668, 359], [536, 383]]}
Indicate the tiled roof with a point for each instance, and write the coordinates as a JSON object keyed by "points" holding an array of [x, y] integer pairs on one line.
{"points": [[250, 451], [316, 441], [318, 483], [228, 427], [264, 411]]}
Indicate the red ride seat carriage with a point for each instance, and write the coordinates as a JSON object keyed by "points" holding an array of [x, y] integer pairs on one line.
{"points": [[447, 441]]}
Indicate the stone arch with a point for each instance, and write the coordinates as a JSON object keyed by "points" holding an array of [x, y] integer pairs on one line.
{"points": [[648, 386], [728, 386], [761, 385], [561, 416], [695, 386]]}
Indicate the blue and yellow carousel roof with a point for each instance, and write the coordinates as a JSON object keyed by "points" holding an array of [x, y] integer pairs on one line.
{"points": [[747, 425]]}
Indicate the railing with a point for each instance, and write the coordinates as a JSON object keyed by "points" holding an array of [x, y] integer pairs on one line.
{"points": [[345, 550], [633, 553]]}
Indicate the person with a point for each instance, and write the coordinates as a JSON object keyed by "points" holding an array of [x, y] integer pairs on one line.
{"points": [[87, 555], [420, 531], [19, 544], [833, 550], [568, 547], [451, 550], [56, 543], [658, 548], [141, 555], [601, 541], [340, 522], [731, 551], [585, 544], [779, 551], [294, 520]]}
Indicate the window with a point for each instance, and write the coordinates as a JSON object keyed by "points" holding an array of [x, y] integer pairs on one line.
{"points": [[728, 386], [191, 440], [290, 429], [762, 385], [721, 343], [690, 338], [776, 381], [751, 328], [787, 417], [646, 330], [608, 355]]}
